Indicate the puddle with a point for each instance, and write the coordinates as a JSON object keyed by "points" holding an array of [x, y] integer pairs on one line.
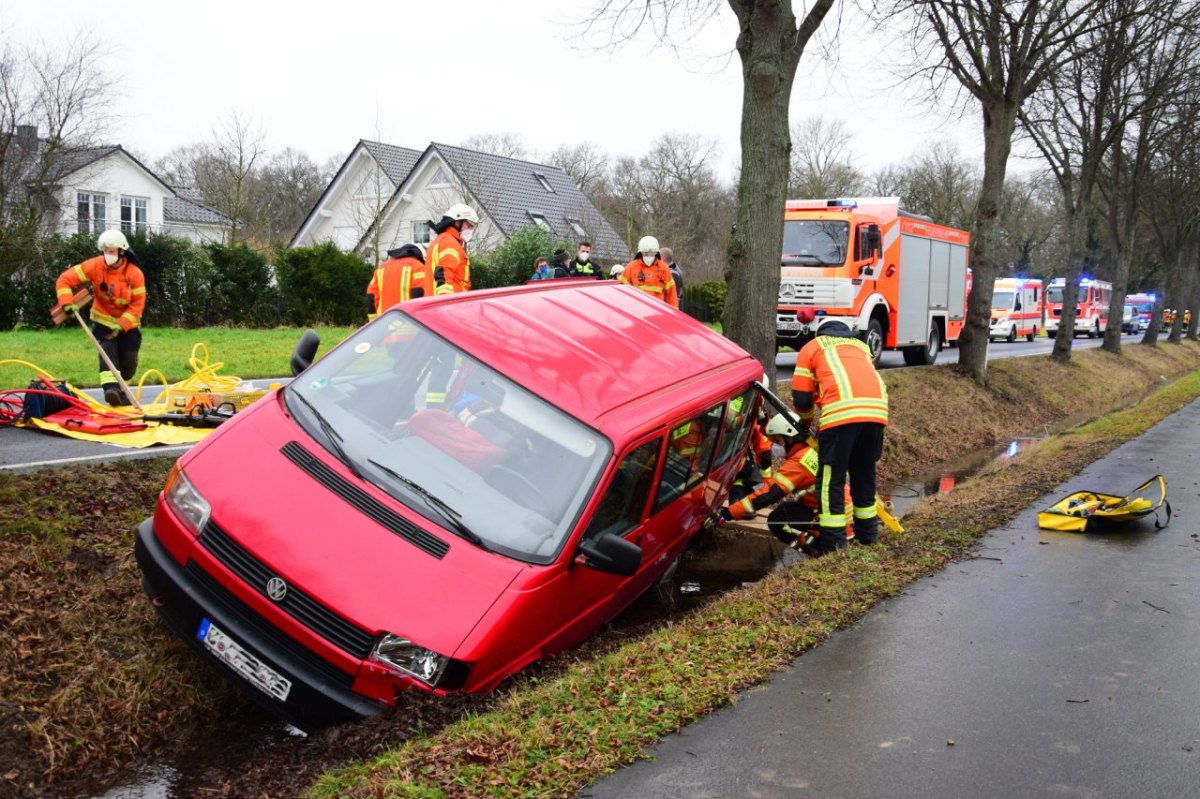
{"points": [[903, 494]]}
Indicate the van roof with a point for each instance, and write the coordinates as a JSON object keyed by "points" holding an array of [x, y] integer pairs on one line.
{"points": [[589, 347]]}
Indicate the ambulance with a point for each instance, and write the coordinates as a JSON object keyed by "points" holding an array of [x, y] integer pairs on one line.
{"points": [[899, 280], [1091, 315], [1016, 309], [1138, 310]]}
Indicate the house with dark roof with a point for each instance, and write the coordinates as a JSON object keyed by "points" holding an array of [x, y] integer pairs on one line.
{"points": [[508, 194], [98, 188]]}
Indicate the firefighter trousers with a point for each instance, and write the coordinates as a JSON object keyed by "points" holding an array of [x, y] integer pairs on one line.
{"points": [[852, 448], [122, 350]]}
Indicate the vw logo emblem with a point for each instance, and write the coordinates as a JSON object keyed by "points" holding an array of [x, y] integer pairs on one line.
{"points": [[276, 589]]}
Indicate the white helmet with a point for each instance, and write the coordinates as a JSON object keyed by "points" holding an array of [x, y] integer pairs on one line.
{"points": [[647, 245], [781, 425], [112, 240], [616, 270], [462, 211]]}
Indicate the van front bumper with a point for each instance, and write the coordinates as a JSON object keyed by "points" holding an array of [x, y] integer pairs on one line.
{"points": [[183, 596]]}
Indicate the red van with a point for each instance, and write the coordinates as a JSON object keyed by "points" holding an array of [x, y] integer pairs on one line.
{"points": [[465, 485]]}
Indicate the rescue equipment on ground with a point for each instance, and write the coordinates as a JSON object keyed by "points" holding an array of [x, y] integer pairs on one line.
{"points": [[1091, 511]]}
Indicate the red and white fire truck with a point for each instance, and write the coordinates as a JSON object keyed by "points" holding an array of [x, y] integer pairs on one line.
{"points": [[898, 279], [1016, 309], [1091, 308]]}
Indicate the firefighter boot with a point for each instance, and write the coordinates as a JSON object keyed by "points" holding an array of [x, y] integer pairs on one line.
{"points": [[829, 539], [113, 394]]}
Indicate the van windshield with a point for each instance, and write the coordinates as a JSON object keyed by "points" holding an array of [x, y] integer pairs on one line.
{"points": [[1002, 300], [451, 438], [815, 242]]}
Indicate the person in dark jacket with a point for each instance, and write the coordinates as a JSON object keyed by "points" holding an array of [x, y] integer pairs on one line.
{"points": [[558, 263], [582, 266], [669, 258]]}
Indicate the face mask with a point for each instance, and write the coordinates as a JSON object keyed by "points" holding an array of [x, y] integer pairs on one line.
{"points": [[583, 256], [467, 233], [110, 258], [648, 259]]}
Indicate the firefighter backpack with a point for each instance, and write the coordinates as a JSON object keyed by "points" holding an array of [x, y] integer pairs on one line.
{"points": [[1091, 511]]}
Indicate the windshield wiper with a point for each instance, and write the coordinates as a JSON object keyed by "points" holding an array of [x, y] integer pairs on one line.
{"points": [[335, 438], [448, 513]]}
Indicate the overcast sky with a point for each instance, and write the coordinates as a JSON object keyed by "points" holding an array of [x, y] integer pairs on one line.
{"points": [[319, 77]]}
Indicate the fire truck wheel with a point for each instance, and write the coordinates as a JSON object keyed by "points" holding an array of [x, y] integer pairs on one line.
{"points": [[1012, 334], [874, 339]]}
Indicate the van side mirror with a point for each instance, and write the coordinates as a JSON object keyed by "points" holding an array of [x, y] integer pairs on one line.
{"points": [[305, 352], [611, 553]]}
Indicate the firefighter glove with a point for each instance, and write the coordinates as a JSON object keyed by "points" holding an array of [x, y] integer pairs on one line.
{"points": [[764, 459], [69, 307]]}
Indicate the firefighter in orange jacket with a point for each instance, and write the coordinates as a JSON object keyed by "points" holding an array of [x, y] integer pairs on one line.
{"points": [[649, 273], [447, 254], [401, 278], [835, 373], [119, 290], [792, 521]]}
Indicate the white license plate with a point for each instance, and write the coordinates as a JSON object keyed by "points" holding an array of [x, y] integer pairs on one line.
{"points": [[787, 325], [260, 675]]}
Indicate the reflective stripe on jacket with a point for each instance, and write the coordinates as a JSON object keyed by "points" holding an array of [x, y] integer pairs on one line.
{"points": [[796, 476], [119, 292], [399, 280], [839, 374], [655, 280], [447, 260]]}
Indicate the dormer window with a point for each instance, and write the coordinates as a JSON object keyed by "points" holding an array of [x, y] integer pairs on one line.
{"points": [[542, 180], [540, 221], [577, 226]]}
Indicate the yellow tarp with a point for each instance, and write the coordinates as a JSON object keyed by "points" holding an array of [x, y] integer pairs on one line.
{"points": [[154, 433]]}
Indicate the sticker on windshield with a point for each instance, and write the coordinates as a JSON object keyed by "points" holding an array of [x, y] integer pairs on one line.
{"points": [[362, 347], [320, 383]]}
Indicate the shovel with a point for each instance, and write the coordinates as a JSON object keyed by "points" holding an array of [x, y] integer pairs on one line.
{"points": [[59, 315]]}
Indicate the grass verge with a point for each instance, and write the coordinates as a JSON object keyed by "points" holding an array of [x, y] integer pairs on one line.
{"points": [[66, 353]]}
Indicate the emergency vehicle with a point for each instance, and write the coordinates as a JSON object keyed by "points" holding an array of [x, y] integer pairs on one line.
{"points": [[348, 538], [1016, 309], [1139, 308], [899, 280], [1091, 315]]}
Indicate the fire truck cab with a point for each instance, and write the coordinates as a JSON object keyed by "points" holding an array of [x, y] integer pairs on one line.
{"points": [[1016, 309], [899, 280], [1091, 309]]}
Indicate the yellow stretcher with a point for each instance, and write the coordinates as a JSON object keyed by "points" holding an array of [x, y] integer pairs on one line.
{"points": [[1090, 511]]}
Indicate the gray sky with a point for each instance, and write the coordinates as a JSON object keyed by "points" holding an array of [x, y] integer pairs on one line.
{"points": [[319, 76]]}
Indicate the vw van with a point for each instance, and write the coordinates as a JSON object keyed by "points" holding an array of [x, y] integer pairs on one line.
{"points": [[462, 487]]}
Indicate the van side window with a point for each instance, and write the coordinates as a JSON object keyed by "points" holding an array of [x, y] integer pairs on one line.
{"points": [[737, 427], [689, 451], [620, 509]]}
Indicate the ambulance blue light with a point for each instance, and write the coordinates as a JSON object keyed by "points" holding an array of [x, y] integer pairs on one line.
{"points": [[843, 202]]}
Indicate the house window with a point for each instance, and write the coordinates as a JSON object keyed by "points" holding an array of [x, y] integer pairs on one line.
{"points": [[540, 221], [90, 212], [133, 215], [372, 186], [577, 226], [542, 180], [439, 179], [421, 233]]}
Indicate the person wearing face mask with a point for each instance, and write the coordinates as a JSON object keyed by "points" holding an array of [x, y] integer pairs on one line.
{"points": [[119, 290], [649, 273], [447, 255], [582, 265]]}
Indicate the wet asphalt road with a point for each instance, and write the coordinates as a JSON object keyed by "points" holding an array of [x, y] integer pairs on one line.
{"points": [[1063, 665]]}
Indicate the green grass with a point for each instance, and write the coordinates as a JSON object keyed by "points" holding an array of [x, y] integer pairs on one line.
{"points": [[66, 352]]}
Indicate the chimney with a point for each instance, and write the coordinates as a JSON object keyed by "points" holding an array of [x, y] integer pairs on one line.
{"points": [[27, 134]]}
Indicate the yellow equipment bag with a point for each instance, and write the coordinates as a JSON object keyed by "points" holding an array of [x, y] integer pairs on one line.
{"points": [[1089, 511]]}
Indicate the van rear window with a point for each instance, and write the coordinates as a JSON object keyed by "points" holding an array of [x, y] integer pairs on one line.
{"points": [[451, 438]]}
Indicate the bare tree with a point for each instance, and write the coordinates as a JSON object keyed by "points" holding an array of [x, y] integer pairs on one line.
{"points": [[281, 192], [941, 184], [822, 162], [769, 44], [999, 52], [224, 173], [584, 163], [507, 144]]}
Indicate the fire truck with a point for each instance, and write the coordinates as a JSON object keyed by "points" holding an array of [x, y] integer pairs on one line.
{"points": [[1138, 310], [1091, 309], [899, 280], [1016, 309]]}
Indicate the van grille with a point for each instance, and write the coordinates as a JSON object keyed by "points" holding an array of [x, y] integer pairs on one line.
{"points": [[233, 608], [301, 607], [364, 502]]}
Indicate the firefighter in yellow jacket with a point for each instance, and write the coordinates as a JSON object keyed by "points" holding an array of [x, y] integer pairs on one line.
{"points": [[119, 290], [835, 373]]}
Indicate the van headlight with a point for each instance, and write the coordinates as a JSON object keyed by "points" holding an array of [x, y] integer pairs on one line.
{"points": [[404, 656], [185, 501]]}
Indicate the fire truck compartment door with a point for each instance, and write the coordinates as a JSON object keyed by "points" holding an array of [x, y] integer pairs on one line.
{"points": [[958, 282], [912, 315]]}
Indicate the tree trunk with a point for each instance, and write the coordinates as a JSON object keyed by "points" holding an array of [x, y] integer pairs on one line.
{"points": [[1075, 250], [1181, 294], [770, 46], [999, 121]]}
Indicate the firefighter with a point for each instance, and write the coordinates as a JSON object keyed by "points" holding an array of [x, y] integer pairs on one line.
{"points": [[401, 278], [835, 373], [795, 480], [649, 273], [582, 265], [447, 254], [756, 464], [119, 290]]}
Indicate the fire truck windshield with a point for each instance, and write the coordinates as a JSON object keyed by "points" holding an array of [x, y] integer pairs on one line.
{"points": [[1054, 294], [815, 242]]}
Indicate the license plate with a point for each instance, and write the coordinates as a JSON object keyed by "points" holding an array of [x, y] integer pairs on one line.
{"points": [[234, 655], [787, 325]]}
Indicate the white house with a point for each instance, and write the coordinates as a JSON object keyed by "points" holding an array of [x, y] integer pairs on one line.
{"points": [[370, 207], [97, 188]]}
